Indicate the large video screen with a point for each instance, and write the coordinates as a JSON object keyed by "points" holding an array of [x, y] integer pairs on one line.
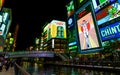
{"points": [[111, 31], [109, 13], [87, 33], [99, 4]]}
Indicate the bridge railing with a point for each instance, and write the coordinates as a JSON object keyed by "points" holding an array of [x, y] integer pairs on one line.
{"points": [[31, 54]]}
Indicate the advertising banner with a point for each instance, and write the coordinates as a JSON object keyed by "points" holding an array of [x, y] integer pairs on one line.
{"points": [[55, 29], [70, 8], [100, 4], [5, 21], [88, 36], [110, 32], [109, 13], [72, 35]]}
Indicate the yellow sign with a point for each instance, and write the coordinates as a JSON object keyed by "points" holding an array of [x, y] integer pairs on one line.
{"points": [[1, 3], [53, 30]]}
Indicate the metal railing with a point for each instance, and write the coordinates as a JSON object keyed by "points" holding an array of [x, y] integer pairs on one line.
{"points": [[22, 71]]}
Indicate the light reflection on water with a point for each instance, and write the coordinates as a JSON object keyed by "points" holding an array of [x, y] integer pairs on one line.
{"points": [[39, 69]]}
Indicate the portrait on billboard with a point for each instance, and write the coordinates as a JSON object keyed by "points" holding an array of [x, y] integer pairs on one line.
{"points": [[88, 36], [87, 33]]}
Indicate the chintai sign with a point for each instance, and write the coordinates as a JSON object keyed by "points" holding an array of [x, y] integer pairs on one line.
{"points": [[110, 32]]}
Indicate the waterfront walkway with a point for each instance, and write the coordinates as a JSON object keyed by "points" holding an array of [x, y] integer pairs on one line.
{"points": [[10, 71]]}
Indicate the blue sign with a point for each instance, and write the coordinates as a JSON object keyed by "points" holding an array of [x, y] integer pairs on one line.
{"points": [[72, 43], [110, 32], [71, 22]]}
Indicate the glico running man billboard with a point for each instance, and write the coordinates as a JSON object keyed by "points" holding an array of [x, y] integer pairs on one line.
{"points": [[87, 30]]}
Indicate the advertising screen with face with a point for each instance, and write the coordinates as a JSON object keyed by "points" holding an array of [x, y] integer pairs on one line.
{"points": [[87, 33]]}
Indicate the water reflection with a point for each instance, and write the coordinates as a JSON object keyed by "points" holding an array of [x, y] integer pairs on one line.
{"points": [[39, 69]]}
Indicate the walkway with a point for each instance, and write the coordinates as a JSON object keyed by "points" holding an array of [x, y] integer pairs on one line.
{"points": [[9, 72]]}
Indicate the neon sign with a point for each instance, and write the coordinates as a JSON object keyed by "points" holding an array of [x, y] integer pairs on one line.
{"points": [[111, 31]]}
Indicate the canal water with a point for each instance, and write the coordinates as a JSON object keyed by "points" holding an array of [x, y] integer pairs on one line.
{"points": [[39, 69]]}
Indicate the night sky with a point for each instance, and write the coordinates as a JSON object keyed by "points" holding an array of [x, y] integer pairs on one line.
{"points": [[31, 15]]}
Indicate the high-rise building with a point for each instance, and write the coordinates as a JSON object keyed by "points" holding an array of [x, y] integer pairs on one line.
{"points": [[54, 37]]}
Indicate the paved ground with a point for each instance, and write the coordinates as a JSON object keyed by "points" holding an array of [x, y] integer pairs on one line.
{"points": [[9, 72]]}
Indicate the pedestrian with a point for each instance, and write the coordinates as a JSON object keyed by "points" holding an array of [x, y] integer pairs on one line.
{"points": [[7, 65]]}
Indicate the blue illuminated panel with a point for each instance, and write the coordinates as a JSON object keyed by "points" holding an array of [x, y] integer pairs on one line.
{"points": [[111, 31]]}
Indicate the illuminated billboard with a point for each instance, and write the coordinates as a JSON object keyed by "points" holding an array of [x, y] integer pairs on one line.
{"points": [[99, 4], [71, 29], [72, 33], [55, 29], [58, 29], [70, 8], [109, 13], [87, 30], [5, 21], [1, 3], [110, 32]]}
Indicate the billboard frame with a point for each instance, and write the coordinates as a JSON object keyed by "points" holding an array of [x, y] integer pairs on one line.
{"points": [[90, 50]]}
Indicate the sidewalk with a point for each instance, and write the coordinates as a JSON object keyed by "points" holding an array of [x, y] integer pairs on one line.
{"points": [[10, 71]]}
